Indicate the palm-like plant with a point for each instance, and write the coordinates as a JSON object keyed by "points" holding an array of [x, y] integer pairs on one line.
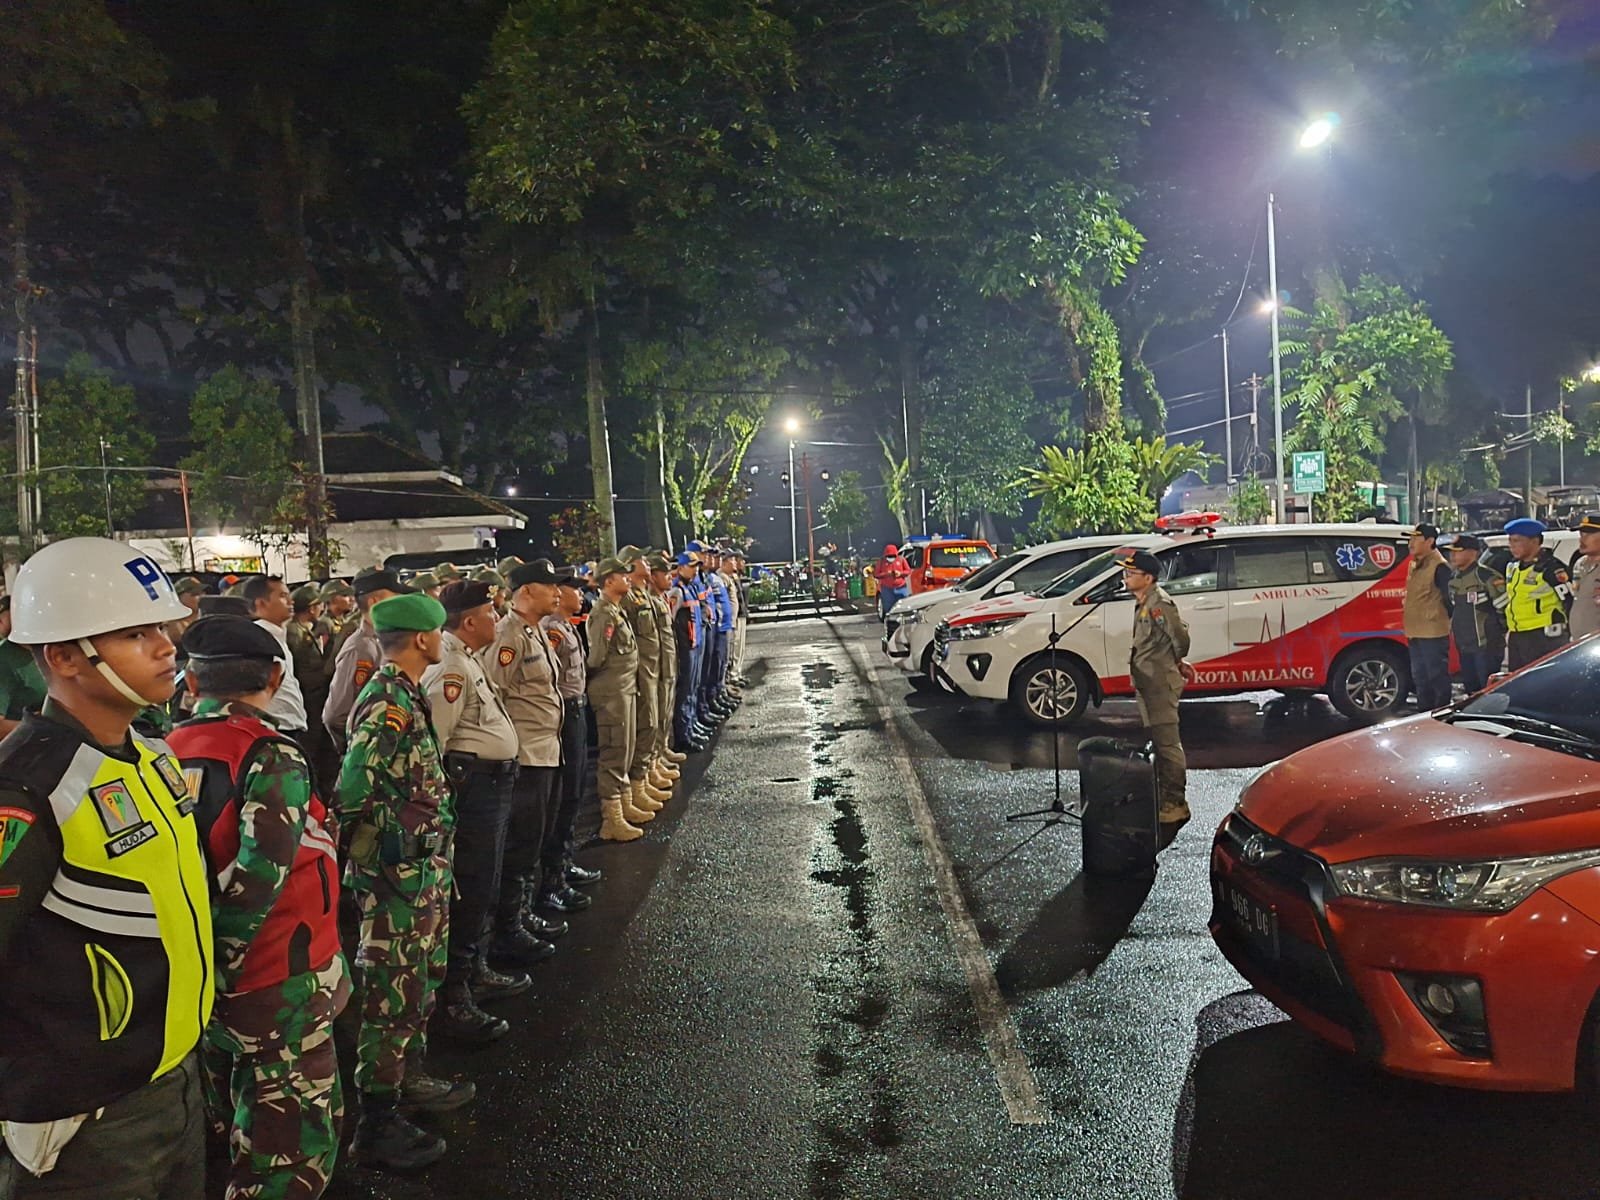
{"points": [[1158, 462]]}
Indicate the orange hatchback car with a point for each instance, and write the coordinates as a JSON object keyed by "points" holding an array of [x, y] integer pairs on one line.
{"points": [[1427, 893]]}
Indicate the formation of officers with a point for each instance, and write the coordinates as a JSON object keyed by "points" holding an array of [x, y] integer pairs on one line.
{"points": [[172, 860], [1512, 613]]}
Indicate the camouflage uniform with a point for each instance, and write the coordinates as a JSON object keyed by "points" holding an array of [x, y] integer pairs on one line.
{"points": [[637, 606], [394, 795], [271, 1071]]}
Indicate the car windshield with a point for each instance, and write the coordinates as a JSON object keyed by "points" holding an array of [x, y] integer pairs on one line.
{"points": [[1085, 572], [986, 575], [960, 556], [1563, 691]]}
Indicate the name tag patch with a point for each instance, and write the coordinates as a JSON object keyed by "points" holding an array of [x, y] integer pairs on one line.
{"points": [[137, 836]]}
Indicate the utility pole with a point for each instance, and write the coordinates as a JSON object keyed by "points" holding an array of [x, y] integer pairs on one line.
{"points": [[1561, 443], [1255, 411], [20, 409], [1279, 499], [1527, 490], [105, 484], [811, 533], [1227, 413]]}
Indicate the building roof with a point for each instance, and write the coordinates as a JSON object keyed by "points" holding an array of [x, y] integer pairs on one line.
{"points": [[369, 478]]}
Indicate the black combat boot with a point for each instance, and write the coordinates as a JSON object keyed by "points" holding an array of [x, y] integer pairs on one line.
{"points": [[461, 1018], [424, 1093], [577, 876], [519, 947], [489, 985], [386, 1140]]}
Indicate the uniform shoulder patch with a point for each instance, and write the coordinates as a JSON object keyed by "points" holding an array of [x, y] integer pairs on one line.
{"points": [[452, 688], [363, 671], [611, 628], [14, 825], [553, 636], [114, 803], [507, 656]]}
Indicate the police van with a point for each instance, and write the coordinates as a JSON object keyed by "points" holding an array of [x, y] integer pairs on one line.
{"points": [[1295, 608]]}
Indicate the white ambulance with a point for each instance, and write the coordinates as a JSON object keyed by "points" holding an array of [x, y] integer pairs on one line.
{"points": [[1295, 608], [908, 631]]}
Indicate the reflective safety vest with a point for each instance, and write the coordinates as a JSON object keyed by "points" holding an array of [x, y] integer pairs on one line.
{"points": [[301, 932], [1532, 599], [109, 984]]}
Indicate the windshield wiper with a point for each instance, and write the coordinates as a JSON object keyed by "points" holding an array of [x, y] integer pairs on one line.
{"points": [[1529, 725]]}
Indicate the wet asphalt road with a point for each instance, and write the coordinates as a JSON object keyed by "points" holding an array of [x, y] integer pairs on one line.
{"points": [[768, 999]]}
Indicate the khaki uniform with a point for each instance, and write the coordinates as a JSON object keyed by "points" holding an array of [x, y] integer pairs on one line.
{"points": [[468, 714], [641, 616], [613, 690], [1160, 643], [520, 664], [359, 659], [1584, 617], [661, 737]]}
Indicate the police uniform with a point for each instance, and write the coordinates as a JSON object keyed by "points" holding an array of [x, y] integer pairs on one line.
{"points": [[1477, 620], [1537, 596], [572, 680], [396, 802], [686, 622], [613, 666], [480, 753], [358, 659], [523, 668], [281, 977], [1584, 614], [1160, 644], [106, 957]]}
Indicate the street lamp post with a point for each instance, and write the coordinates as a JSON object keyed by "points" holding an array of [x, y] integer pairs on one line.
{"points": [[1227, 413], [1277, 365], [792, 427]]}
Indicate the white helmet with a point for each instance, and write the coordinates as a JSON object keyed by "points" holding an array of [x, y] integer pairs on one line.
{"points": [[82, 587]]}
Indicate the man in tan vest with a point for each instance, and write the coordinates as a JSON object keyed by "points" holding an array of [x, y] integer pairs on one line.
{"points": [[1427, 619]]}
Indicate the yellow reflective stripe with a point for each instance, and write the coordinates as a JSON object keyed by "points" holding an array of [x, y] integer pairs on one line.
{"points": [[113, 992]]}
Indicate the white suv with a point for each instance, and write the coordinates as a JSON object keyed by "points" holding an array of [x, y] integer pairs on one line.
{"points": [[1297, 608], [908, 632]]}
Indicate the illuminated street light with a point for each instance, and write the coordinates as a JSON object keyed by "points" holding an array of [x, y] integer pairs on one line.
{"points": [[1319, 131], [791, 426], [511, 489], [1268, 305], [1591, 373]]}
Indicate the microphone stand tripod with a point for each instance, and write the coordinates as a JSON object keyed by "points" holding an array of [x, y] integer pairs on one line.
{"points": [[1058, 813]]}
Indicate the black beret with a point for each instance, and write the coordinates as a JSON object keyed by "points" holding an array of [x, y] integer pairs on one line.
{"points": [[540, 570], [224, 606], [464, 595], [230, 637], [378, 581]]}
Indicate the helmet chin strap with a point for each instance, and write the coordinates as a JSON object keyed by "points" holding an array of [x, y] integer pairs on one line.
{"points": [[110, 676]]}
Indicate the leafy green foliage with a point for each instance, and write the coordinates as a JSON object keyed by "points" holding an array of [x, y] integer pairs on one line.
{"points": [[1093, 489], [1252, 503], [243, 444], [845, 508], [77, 411], [580, 533], [1157, 463]]}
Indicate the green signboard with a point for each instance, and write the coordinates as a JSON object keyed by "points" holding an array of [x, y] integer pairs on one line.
{"points": [[1310, 472]]}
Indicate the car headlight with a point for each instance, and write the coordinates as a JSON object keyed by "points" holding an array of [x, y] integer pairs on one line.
{"points": [[1494, 885], [982, 629], [912, 617]]}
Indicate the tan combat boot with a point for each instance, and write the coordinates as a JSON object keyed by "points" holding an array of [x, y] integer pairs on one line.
{"points": [[614, 826], [647, 797], [675, 756], [659, 779], [668, 768], [631, 808]]}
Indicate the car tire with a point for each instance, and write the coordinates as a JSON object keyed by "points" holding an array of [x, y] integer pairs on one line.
{"points": [[1369, 683], [1031, 689]]}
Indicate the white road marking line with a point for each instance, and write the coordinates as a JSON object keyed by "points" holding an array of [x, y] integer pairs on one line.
{"points": [[1018, 1088]]}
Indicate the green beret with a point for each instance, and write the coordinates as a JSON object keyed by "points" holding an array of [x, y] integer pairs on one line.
{"points": [[505, 564], [424, 579], [304, 596], [189, 586], [610, 566], [445, 572], [336, 587], [417, 613]]}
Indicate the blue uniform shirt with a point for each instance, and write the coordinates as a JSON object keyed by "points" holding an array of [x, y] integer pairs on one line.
{"points": [[721, 607]]}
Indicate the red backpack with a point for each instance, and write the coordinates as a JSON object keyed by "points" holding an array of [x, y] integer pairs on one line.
{"points": [[301, 933]]}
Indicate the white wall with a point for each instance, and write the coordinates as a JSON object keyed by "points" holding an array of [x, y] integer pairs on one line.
{"points": [[363, 547]]}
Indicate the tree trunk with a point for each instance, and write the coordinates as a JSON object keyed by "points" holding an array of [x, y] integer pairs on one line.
{"points": [[599, 433], [911, 420], [656, 499], [1413, 484], [23, 292]]}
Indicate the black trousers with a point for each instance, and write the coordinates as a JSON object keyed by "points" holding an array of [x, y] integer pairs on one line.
{"points": [[530, 812], [150, 1145], [1524, 648], [571, 784], [483, 811]]}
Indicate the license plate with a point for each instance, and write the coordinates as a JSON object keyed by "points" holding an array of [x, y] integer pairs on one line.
{"points": [[1251, 920]]}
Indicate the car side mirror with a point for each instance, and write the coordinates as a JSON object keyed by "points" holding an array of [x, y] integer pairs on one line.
{"points": [[1005, 587]]}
